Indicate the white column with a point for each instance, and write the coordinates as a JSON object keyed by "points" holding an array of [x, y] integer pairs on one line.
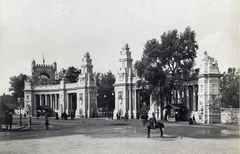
{"points": [[194, 98], [51, 104], [130, 104], [34, 105], [40, 99], [55, 101], [67, 103], [78, 104], [135, 104], [88, 106]]}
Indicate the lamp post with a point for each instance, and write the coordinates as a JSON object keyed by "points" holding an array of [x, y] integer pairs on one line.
{"points": [[19, 101], [105, 98]]}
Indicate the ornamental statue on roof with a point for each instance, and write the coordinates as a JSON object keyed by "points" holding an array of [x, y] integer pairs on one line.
{"points": [[208, 58]]}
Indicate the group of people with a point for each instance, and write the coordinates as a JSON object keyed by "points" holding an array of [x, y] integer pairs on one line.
{"points": [[65, 116], [46, 122], [192, 121], [119, 116]]}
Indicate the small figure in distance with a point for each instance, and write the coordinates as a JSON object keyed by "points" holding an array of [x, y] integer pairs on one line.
{"points": [[47, 123], [29, 122]]}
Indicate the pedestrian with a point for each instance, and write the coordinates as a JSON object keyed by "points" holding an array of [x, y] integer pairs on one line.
{"points": [[38, 115], [47, 123], [190, 121], [153, 120], [194, 121], [29, 122], [65, 115], [56, 115]]}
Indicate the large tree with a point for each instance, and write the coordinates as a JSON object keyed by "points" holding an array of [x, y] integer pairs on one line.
{"points": [[17, 85], [165, 65], [71, 74], [105, 86], [229, 88]]}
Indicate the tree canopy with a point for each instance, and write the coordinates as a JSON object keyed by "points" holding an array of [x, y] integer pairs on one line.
{"points": [[105, 86], [229, 88], [17, 85], [71, 74], [165, 65]]}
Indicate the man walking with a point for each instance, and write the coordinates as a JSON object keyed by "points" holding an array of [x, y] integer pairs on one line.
{"points": [[47, 123]]}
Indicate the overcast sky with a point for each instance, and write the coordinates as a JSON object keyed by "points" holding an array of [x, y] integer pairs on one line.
{"points": [[65, 30]]}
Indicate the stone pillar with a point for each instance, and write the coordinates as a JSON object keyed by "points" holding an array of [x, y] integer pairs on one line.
{"points": [[55, 101], [67, 103], [135, 111], [78, 104], [116, 105], [34, 105], [45, 99], [40, 99], [187, 95], [130, 104], [88, 106], [194, 98]]}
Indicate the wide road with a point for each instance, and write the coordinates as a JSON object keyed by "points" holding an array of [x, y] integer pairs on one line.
{"points": [[117, 136]]}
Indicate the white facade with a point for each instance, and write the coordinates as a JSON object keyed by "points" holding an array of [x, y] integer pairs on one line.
{"points": [[196, 94], [80, 97]]}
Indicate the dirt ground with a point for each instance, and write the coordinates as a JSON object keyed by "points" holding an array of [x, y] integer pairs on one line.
{"points": [[86, 144], [119, 137]]}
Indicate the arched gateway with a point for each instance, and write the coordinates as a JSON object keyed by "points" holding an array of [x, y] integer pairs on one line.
{"points": [[192, 100], [81, 97], [44, 90]]}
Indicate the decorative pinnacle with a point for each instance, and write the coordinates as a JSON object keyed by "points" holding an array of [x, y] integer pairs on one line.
{"points": [[87, 55], [126, 47]]}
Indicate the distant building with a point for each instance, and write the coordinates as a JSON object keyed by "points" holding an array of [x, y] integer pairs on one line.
{"points": [[45, 89]]}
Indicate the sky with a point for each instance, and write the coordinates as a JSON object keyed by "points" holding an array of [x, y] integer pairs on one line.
{"points": [[64, 30]]}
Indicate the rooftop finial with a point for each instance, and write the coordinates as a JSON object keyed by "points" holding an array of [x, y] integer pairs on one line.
{"points": [[126, 47]]}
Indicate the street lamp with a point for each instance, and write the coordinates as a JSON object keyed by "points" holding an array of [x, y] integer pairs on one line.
{"points": [[107, 103], [19, 101]]}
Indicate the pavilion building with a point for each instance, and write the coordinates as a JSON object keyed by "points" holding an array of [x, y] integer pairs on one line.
{"points": [[193, 99], [45, 89]]}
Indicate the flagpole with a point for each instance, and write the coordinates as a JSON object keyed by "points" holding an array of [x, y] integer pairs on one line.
{"points": [[43, 59]]}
